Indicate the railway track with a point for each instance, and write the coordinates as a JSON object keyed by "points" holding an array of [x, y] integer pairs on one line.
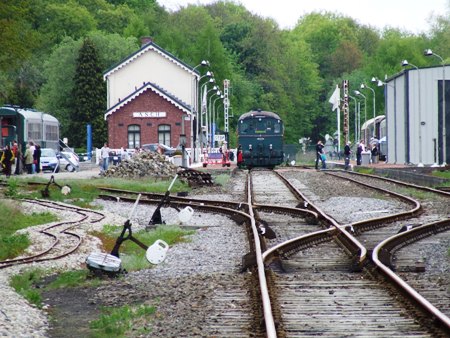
{"points": [[345, 313], [316, 277], [311, 289], [57, 240]]}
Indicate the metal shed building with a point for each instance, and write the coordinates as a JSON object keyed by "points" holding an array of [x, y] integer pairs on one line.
{"points": [[414, 114]]}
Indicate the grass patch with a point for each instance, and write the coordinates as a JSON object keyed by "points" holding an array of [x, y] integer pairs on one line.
{"points": [[31, 283], [418, 194], [222, 179], [83, 192], [24, 285], [12, 219], [115, 322], [70, 279], [132, 255], [442, 174], [368, 171]]}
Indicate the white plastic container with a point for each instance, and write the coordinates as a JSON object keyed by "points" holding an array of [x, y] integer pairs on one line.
{"points": [[185, 215], [156, 253]]}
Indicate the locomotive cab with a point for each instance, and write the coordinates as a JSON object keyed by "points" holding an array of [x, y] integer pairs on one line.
{"points": [[261, 138]]}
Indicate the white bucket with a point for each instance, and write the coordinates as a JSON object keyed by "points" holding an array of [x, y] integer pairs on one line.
{"points": [[185, 215], [156, 253]]}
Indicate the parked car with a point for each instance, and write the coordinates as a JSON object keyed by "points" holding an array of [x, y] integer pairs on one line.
{"points": [[68, 160], [49, 160], [168, 151]]}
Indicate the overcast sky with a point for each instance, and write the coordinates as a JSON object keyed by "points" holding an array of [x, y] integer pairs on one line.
{"points": [[411, 15]]}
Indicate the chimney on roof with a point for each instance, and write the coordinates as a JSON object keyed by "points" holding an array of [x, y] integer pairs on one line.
{"points": [[145, 40]]}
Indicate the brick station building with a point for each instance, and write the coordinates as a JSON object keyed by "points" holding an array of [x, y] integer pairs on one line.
{"points": [[150, 94]]}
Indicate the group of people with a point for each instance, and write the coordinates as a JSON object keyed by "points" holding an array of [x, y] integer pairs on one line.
{"points": [[104, 156], [361, 148], [12, 157]]}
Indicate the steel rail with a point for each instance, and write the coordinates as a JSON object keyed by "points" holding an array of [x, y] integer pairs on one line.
{"points": [[229, 204], [283, 250], [392, 243], [411, 185], [38, 257], [264, 289], [362, 225], [347, 239]]}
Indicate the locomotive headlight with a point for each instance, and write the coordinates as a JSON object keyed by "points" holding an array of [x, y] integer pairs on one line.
{"points": [[270, 146], [250, 147]]}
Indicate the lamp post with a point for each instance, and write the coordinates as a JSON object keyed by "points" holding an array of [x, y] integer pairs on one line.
{"points": [[214, 107], [207, 122], [405, 63], [363, 86], [194, 89], [429, 52], [211, 117], [200, 128], [358, 93]]}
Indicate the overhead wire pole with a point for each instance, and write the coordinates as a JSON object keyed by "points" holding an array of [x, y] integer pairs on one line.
{"points": [[226, 105]]}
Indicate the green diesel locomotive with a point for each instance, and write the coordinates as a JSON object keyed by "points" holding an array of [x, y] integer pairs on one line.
{"points": [[260, 137]]}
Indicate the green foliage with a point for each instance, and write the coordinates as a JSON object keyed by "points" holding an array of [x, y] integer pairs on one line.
{"points": [[24, 285], [31, 283], [73, 278], [89, 96], [11, 191], [115, 322], [222, 179], [12, 244], [442, 174], [292, 72]]}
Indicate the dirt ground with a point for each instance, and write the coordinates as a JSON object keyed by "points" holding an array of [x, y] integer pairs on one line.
{"points": [[71, 310]]}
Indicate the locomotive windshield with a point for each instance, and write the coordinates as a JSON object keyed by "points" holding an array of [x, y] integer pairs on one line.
{"points": [[260, 126]]}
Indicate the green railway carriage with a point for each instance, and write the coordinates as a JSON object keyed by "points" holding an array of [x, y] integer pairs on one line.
{"points": [[24, 125], [260, 135]]}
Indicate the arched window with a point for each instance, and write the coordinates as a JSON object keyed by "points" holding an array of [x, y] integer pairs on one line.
{"points": [[134, 136], [164, 134]]}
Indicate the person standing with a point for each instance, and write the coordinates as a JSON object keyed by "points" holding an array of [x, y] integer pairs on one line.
{"points": [[359, 152], [319, 152], [32, 150], [37, 158], [28, 156], [239, 156], [347, 152], [7, 160], [19, 160], [104, 157]]}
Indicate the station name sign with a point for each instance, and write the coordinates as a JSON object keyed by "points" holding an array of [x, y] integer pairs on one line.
{"points": [[151, 114]]}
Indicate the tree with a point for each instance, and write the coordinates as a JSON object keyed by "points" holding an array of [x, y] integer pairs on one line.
{"points": [[89, 97]]}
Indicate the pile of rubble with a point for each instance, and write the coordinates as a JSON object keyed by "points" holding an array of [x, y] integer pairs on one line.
{"points": [[142, 164]]}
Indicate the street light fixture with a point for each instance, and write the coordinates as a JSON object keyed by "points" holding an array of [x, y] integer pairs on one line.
{"points": [[429, 52], [405, 63], [358, 93], [363, 86]]}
